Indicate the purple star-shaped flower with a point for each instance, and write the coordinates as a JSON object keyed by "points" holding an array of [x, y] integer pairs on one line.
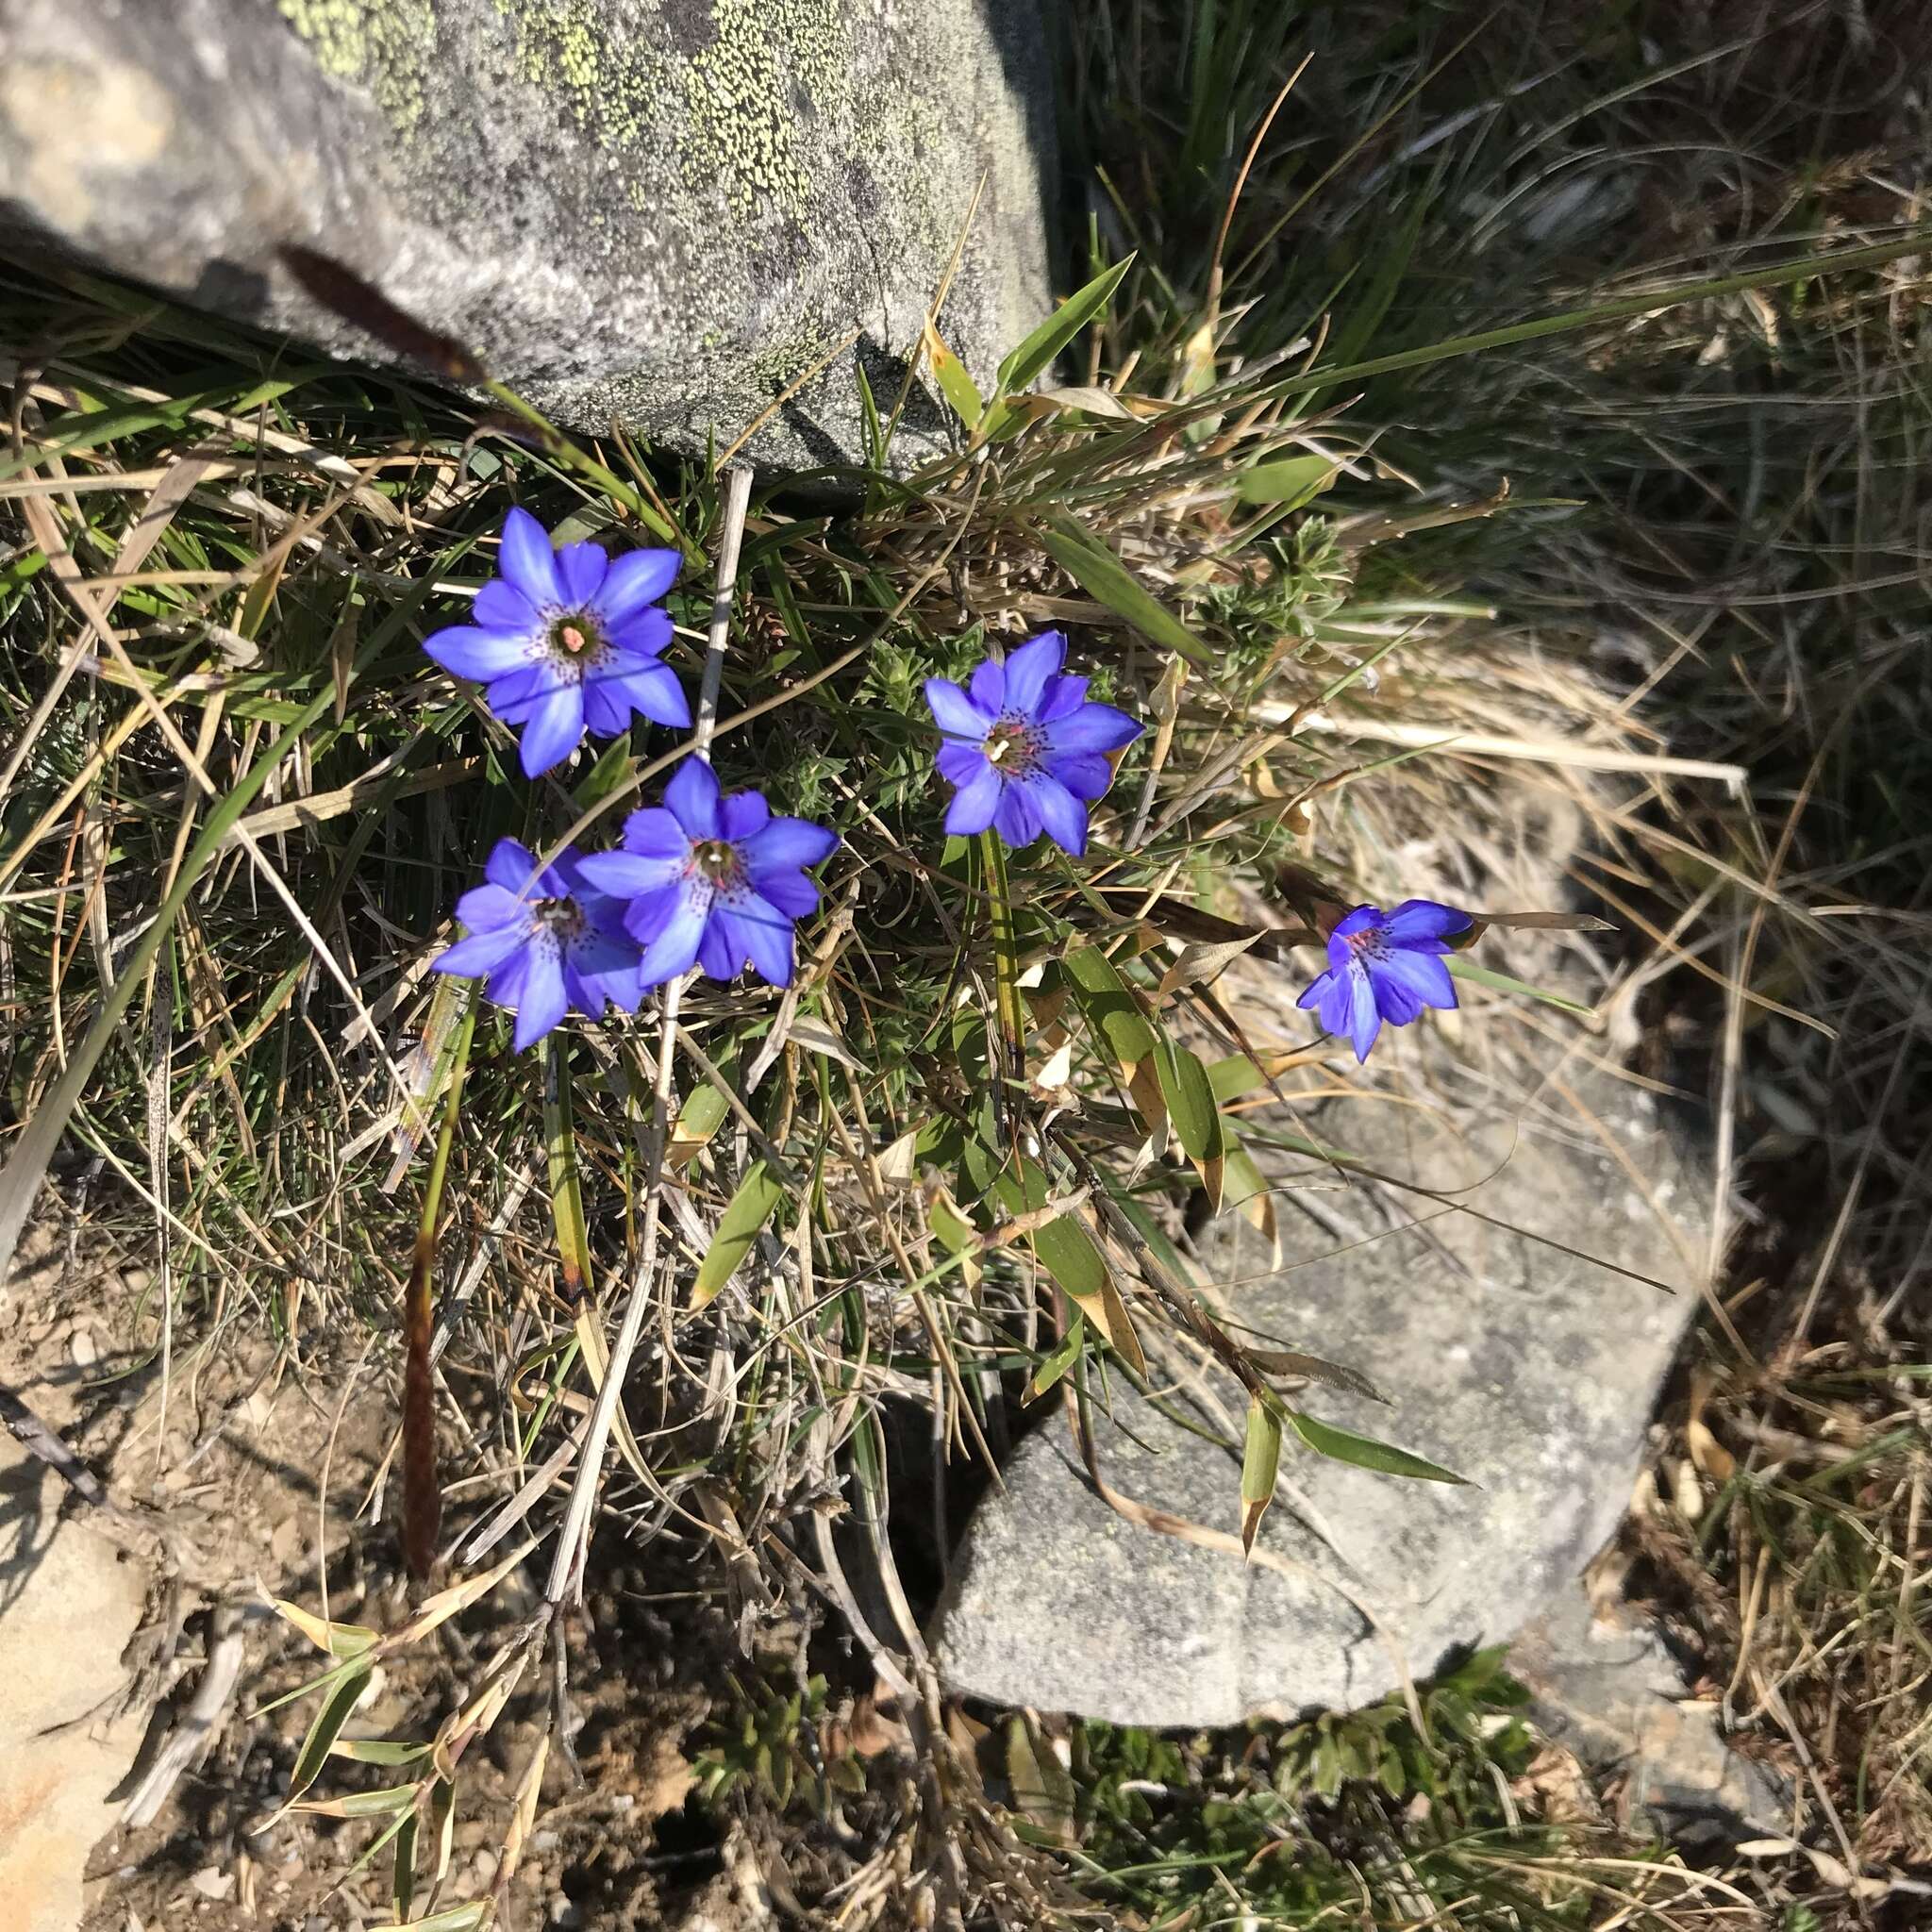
{"points": [[713, 880], [1385, 966], [1024, 748], [544, 939], [568, 639]]}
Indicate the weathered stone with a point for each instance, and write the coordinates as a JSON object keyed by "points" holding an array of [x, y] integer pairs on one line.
{"points": [[662, 211], [68, 1607], [1610, 1691], [1530, 1372]]}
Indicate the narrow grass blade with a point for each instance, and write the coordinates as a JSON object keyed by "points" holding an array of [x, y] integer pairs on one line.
{"points": [[1105, 577], [745, 1215], [1364, 1452], [422, 1491]]}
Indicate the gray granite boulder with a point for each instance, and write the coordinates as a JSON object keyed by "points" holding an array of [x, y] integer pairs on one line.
{"points": [[1528, 1371], [661, 212]]}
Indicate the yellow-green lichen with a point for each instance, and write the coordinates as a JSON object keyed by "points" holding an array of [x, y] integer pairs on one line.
{"points": [[776, 366], [378, 44], [741, 124], [611, 86]]}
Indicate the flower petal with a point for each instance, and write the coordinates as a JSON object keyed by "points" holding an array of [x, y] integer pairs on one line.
{"points": [[1318, 991], [511, 865], [643, 634], [692, 796], [483, 909], [973, 805], [501, 606], [554, 729], [1394, 1000], [1424, 919], [791, 891], [987, 686], [654, 833], [742, 814], [607, 707], [1364, 1016], [765, 934], [542, 1001], [514, 698], [1062, 814], [636, 579], [1030, 666], [526, 560], [1017, 821], [467, 650], [648, 685], [481, 953], [955, 713], [599, 968], [675, 947], [1085, 773], [649, 913], [627, 876], [719, 951], [580, 569], [960, 764], [1359, 920], [1422, 976], [1337, 1006], [1092, 727], [785, 843], [1063, 696]]}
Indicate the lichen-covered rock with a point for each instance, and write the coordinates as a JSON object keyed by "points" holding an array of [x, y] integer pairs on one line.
{"points": [[1510, 1360], [662, 211]]}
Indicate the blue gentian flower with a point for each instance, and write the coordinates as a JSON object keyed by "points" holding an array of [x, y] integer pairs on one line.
{"points": [[566, 641], [713, 882], [547, 940], [1385, 966], [1025, 748]]}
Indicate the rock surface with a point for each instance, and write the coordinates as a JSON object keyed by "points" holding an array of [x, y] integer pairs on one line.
{"points": [[68, 1607], [1528, 1371], [1611, 1692], [663, 211]]}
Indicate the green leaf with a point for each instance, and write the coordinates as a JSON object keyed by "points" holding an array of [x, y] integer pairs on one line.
{"points": [[1190, 1096], [327, 1727], [1290, 483], [1364, 1452], [754, 1204], [385, 1751], [1501, 982], [1259, 1460], [613, 767], [1059, 328], [566, 1189], [698, 1119], [1110, 1009], [1106, 578], [956, 385], [1070, 1253], [469, 1918], [1065, 1353]]}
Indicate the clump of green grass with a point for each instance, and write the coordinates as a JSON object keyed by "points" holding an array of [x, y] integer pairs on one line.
{"points": [[240, 806]]}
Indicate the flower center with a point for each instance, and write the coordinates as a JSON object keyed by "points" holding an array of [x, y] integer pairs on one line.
{"points": [[716, 861], [1372, 941], [563, 917], [1015, 746], [575, 639]]}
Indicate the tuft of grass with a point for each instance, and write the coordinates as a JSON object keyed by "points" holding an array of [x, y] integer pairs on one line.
{"points": [[240, 804]]}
